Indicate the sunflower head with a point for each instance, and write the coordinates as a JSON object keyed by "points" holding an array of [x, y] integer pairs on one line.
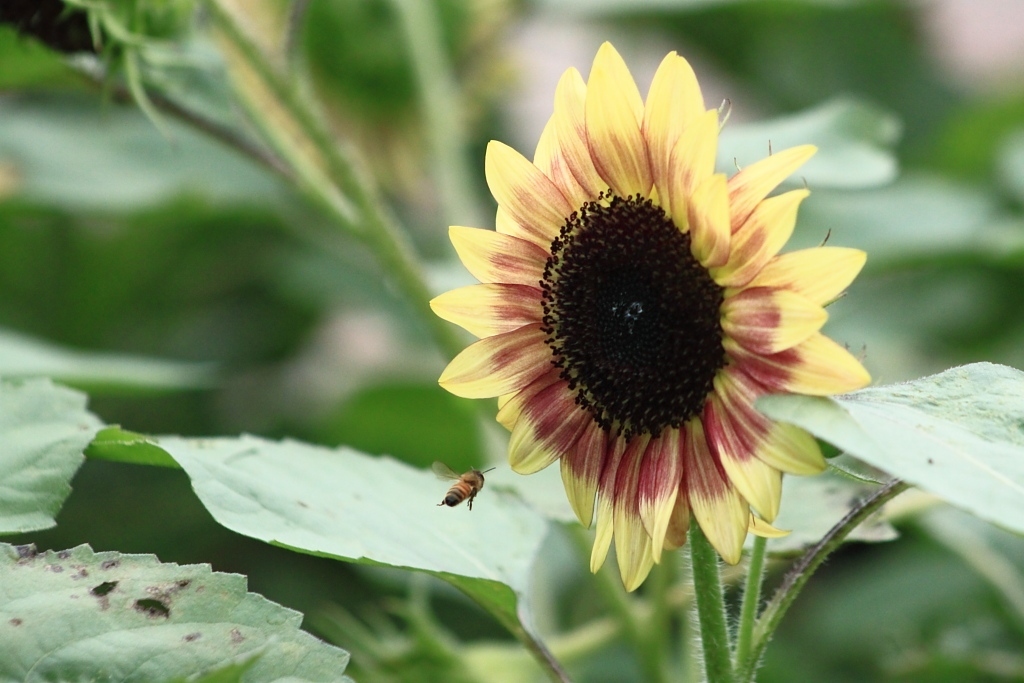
{"points": [[633, 304]]}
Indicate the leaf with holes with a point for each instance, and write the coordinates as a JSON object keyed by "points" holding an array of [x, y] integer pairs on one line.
{"points": [[376, 510], [81, 615], [43, 431], [958, 434]]}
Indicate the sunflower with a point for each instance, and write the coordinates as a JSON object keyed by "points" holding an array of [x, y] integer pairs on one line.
{"points": [[633, 305]]}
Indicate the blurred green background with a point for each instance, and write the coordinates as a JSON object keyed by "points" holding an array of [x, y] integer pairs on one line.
{"points": [[115, 239]]}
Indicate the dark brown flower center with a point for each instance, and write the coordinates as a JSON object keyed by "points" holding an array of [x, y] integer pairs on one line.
{"points": [[632, 317]]}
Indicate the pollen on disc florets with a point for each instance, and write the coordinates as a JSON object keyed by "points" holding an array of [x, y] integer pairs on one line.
{"points": [[632, 317]]}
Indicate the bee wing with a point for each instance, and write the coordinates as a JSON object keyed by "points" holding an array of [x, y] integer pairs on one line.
{"points": [[443, 471]]}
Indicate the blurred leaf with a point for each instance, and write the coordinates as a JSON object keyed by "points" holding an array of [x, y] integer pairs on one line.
{"points": [[76, 153], [918, 216], [343, 504], [26, 62], [813, 505], [1011, 164], [416, 423], [854, 144], [43, 431], [23, 356], [82, 615], [118, 445], [958, 434], [585, 7]]}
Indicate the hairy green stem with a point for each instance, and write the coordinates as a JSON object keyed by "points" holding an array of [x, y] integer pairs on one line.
{"points": [[751, 601], [707, 587], [805, 567]]}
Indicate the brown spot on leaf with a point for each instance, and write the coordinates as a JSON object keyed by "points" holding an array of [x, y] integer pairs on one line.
{"points": [[64, 554], [26, 552], [153, 608], [16, 622], [110, 564], [192, 637], [236, 636]]}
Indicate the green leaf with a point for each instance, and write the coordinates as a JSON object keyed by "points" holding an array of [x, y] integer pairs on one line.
{"points": [[119, 445], [23, 356], [854, 144], [82, 615], [76, 153], [958, 434], [813, 505], [43, 431], [376, 510]]}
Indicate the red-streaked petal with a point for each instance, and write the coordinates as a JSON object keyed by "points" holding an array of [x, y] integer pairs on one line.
{"points": [[530, 198], [660, 475], [493, 257], [816, 367], [510, 406], [679, 520], [581, 471], [693, 158], [498, 365], [770, 320], [748, 187], [548, 428], [708, 218], [717, 507], [486, 310], [735, 447], [820, 274], [673, 102], [782, 446], [633, 547], [759, 240], [570, 153], [613, 114], [605, 501]]}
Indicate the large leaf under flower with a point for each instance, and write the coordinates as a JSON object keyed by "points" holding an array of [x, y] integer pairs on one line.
{"points": [[957, 434]]}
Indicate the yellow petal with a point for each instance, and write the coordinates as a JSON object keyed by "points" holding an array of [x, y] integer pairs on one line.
{"points": [[602, 535], [581, 471], [494, 257], [498, 365], [816, 367], [567, 161], [673, 102], [761, 528], [770, 320], [820, 274], [693, 157], [486, 310], [633, 547], [535, 203], [759, 240], [613, 113], [511, 406], [716, 505], [759, 483], [748, 187], [708, 217], [679, 521], [658, 486]]}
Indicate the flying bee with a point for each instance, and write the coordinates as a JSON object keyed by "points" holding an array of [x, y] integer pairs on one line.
{"points": [[466, 485]]}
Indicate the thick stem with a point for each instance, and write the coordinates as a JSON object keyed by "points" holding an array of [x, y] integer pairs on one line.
{"points": [[805, 567], [707, 586], [751, 601]]}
